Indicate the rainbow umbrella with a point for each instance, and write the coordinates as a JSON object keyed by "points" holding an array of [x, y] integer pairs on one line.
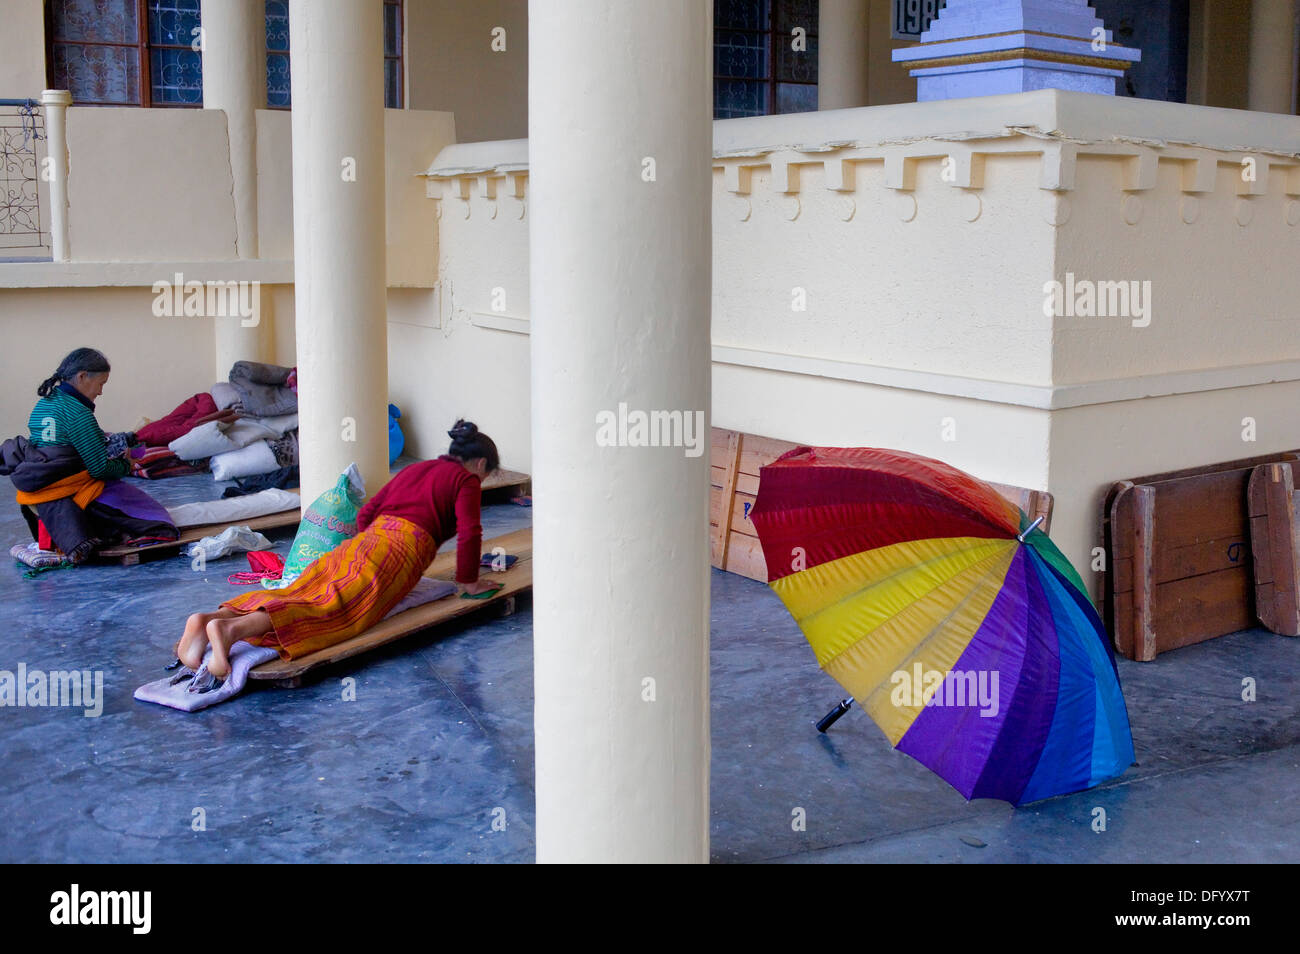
{"points": [[958, 625]]}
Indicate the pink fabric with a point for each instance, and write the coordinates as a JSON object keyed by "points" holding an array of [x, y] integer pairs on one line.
{"points": [[179, 422]]}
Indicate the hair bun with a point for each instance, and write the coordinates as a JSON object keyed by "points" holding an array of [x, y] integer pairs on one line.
{"points": [[462, 430]]}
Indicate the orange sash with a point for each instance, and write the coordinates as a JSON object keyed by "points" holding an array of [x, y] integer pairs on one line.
{"points": [[80, 486]]}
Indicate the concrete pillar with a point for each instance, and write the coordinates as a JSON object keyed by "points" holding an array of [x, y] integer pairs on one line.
{"points": [[341, 327], [842, 37], [620, 184], [234, 80], [1272, 80], [56, 103]]}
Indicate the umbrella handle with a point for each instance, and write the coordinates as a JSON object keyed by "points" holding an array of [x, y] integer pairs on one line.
{"points": [[830, 718]]}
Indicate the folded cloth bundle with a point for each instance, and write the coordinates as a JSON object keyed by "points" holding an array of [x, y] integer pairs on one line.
{"points": [[232, 509], [263, 388], [187, 415], [189, 691], [154, 463], [221, 437], [256, 458], [226, 397], [33, 556]]}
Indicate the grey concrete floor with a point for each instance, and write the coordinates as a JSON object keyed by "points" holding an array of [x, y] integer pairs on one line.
{"points": [[439, 744]]}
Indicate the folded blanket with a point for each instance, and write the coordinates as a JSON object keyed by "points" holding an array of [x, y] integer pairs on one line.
{"points": [[224, 396], [187, 414], [181, 691], [234, 509], [263, 388], [256, 458]]}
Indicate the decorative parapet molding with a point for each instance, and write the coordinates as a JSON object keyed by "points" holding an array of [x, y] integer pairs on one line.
{"points": [[1055, 125]]}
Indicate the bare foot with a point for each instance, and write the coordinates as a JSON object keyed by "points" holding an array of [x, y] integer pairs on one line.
{"points": [[220, 638], [194, 641]]}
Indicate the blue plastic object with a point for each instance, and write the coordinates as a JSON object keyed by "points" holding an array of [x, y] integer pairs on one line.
{"points": [[396, 440]]}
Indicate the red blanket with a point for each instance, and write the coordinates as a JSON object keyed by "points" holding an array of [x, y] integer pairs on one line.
{"points": [[189, 414]]}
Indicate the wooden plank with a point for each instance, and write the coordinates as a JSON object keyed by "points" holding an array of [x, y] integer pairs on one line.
{"points": [[518, 579], [745, 557], [1244, 463], [1144, 639], [1272, 500], [507, 478], [722, 532], [1201, 608]]}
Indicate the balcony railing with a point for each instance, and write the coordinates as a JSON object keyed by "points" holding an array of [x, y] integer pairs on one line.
{"points": [[24, 232]]}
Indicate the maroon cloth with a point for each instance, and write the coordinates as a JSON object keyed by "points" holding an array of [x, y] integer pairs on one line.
{"points": [[440, 496], [179, 422]]}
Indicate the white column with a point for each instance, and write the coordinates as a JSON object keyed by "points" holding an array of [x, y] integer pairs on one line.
{"points": [[842, 55], [234, 80], [1272, 78], [341, 328], [620, 182], [56, 103]]}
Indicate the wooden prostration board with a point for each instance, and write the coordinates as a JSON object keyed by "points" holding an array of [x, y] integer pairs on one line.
{"points": [[518, 579], [1275, 545], [1180, 569], [737, 459]]}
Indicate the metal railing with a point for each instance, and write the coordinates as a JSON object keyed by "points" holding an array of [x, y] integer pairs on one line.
{"points": [[24, 233]]}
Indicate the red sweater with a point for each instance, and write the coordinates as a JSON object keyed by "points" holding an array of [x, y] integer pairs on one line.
{"points": [[442, 497]]}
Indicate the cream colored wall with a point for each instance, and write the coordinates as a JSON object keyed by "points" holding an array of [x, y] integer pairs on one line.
{"points": [[157, 362], [876, 291], [450, 64], [438, 374], [1221, 294], [149, 185], [274, 184], [411, 139], [22, 50]]}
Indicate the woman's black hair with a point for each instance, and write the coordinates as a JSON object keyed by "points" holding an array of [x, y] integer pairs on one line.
{"points": [[468, 443], [83, 359]]}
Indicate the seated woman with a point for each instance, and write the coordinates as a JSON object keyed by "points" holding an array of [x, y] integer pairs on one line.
{"points": [[65, 475], [351, 588]]}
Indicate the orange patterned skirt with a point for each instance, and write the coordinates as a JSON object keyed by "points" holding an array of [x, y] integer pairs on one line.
{"points": [[344, 592]]}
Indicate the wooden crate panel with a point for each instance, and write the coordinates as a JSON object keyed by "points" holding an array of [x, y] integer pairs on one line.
{"points": [[1275, 543], [1181, 565]]}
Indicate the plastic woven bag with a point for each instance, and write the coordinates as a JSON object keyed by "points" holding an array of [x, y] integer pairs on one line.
{"points": [[331, 519]]}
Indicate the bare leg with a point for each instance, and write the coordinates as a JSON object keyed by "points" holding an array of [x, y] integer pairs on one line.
{"points": [[225, 632], [194, 640]]}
